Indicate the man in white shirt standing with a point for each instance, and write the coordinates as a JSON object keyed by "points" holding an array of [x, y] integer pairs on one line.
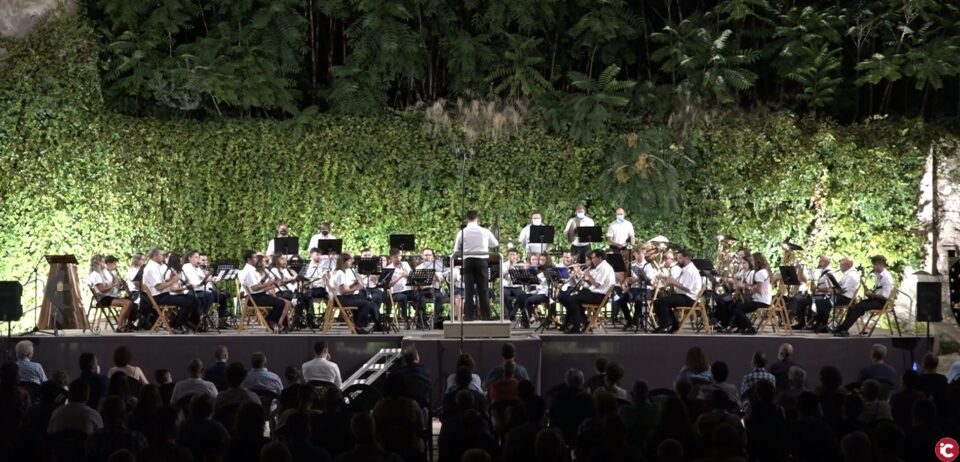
{"points": [[536, 219], [620, 231], [872, 299], [282, 231], [579, 219], [475, 241], [320, 367], [194, 385], [323, 235], [599, 279], [687, 287]]}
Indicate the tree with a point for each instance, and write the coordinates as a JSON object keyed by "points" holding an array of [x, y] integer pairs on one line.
{"points": [[518, 76], [592, 108]]}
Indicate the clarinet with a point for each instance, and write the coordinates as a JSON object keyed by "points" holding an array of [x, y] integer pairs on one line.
{"points": [[363, 286]]}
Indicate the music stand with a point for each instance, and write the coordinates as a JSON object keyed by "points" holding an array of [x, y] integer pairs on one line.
{"points": [[523, 277], [328, 246], [588, 235], [542, 235], [286, 245], [403, 242], [420, 279], [368, 266], [789, 275], [704, 266], [383, 281], [615, 259]]}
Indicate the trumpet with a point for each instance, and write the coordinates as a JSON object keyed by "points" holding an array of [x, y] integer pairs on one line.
{"points": [[581, 278]]}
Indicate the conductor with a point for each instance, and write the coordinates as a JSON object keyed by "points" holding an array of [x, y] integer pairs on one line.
{"points": [[475, 242]]}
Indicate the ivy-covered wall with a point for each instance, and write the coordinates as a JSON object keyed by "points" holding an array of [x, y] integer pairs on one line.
{"points": [[78, 179]]}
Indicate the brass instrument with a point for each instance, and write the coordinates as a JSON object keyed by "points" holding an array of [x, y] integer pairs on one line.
{"points": [[577, 285], [725, 262], [571, 233], [790, 259]]}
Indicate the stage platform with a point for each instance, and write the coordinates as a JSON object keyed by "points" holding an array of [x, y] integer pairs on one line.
{"points": [[655, 358]]}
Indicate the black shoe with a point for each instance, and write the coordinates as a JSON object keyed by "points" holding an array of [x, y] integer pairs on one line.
{"points": [[748, 331], [663, 329], [841, 333], [798, 326]]}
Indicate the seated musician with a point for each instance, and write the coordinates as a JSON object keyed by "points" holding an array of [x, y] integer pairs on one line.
{"points": [[435, 289], [598, 280], [566, 259], [257, 283], [513, 294], [348, 287], [106, 288], [376, 295], [164, 285], [200, 281], [760, 296], [398, 283], [820, 298], [738, 284], [872, 299], [315, 279], [686, 288], [218, 296], [285, 277], [143, 312], [638, 288], [540, 293]]}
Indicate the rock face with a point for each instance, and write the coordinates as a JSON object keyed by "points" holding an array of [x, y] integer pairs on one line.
{"points": [[18, 17]]}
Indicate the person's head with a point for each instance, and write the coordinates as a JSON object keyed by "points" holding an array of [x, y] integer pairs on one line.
{"points": [[363, 429], [640, 392], [533, 259], [472, 216], [60, 377], [331, 399], [760, 262], [136, 260], [852, 406], [315, 255], [220, 353], [297, 427], [580, 211], [464, 400], [536, 218], [163, 376], [845, 264], [726, 441], [9, 375], [292, 375], [275, 452], [395, 256], [476, 455], [149, 399], [548, 446], [574, 378], [567, 258], [122, 455], [508, 352], [249, 420], [878, 353], [79, 391], [410, 354], [684, 257], [201, 406], [596, 258], [250, 257], [720, 371], [830, 378], [719, 400], [759, 360], [684, 388], [283, 230], [824, 262], [280, 261], [236, 374], [697, 360], [879, 263], [345, 261], [96, 263], [620, 214], [155, 255], [366, 253], [427, 254], [785, 351], [193, 257], [930, 363], [606, 402], [258, 360], [870, 390], [320, 349], [24, 350], [195, 368], [600, 364], [808, 404], [122, 356], [325, 228], [110, 262], [797, 377], [670, 450], [855, 447], [113, 410], [465, 360], [204, 259], [613, 374], [544, 259]]}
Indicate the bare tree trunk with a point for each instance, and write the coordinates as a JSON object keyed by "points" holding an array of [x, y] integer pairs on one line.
{"points": [[313, 46], [935, 217]]}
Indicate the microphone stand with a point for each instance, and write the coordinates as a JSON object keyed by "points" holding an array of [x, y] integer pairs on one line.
{"points": [[463, 155]]}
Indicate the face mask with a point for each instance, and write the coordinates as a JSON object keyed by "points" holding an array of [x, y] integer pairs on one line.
{"points": [[619, 218], [581, 215], [537, 222]]}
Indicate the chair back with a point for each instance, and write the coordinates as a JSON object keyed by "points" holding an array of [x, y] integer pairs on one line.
{"points": [[361, 397]]}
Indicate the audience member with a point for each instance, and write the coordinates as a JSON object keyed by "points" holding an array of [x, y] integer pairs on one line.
{"points": [[878, 370], [463, 381], [641, 415], [297, 437], [165, 384], [409, 364], [509, 355], [290, 395], [368, 448], [235, 395], [696, 370], [320, 368], [217, 373], [505, 388], [119, 385], [90, 373], [764, 422], [76, 415], [30, 371], [674, 424], [549, 447], [832, 394], [261, 379], [901, 402], [614, 373], [808, 437], [123, 362], [248, 439], [931, 382], [204, 437], [570, 405], [874, 408], [788, 398], [599, 377], [330, 429], [400, 421], [114, 435], [194, 384], [719, 371], [758, 374], [954, 373], [720, 413], [781, 368], [275, 452], [149, 403], [517, 445], [465, 360]]}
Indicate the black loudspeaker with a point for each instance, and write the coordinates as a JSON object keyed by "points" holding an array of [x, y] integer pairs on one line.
{"points": [[10, 294], [928, 302]]}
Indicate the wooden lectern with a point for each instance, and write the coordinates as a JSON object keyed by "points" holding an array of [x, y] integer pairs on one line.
{"points": [[61, 297]]}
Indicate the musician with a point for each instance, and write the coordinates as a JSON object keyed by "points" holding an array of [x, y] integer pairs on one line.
{"points": [[620, 231], [536, 219], [257, 286], [164, 284], [475, 241], [566, 259], [285, 277], [579, 219], [200, 281], [348, 286], [377, 296], [398, 283], [738, 282], [599, 278], [541, 292], [435, 290], [670, 268], [218, 296], [686, 286], [143, 312], [760, 296], [635, 288], [106, 288], [820, 297], [315, 278], [282, 231], [323, 235], [872, 299], [513, 294]]}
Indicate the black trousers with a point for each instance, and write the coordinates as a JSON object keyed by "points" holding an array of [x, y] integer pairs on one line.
{"points": [[305, 307], [476, 275], [824, 306], [531, 301], [187, 304], [207, 297], [515, 298], [664, 306], [574, 301], [365, 307], [401, 299], [276, 303], [435, 294], [723, 309], [740, 311], [800, 307], [856, 310]]}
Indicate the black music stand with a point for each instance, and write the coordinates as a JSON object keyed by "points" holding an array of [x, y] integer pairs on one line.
{"points": [[523, 277], [588, 235], [286, 245], [553, 275], [328, 246], [420, 279], [368, 266], [615, 259], [789, 276], [542, 234], [403, 242]]}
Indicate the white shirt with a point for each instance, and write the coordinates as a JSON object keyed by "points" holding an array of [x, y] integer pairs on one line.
{"points": [[823, 282], [690, 280], [153, 275], [543, 287], [762, 277], [437, 267], [587, 221], [400, 275], [249, 277], [603, 277], [529, 248], [194, 276], [316, 238], [505, 273], [321, 369], [620, 232], [883, 285], [315, 273], [343, 278], [284, 273], [477, 241], [192, 386], [673, 271], [102, 278], [850, 283], [131, 274], [650, 272]]}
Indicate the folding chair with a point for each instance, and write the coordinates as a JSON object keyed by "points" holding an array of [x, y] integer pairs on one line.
{"points": [[886, 311], [776, 312], [689, 313], [594, 312], [840, 313], [333, 306], [108, 313], [164, 313], [250, 311]]}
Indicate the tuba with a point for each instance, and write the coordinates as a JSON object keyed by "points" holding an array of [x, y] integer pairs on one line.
{"points": [[790, 258], [725, 261]]}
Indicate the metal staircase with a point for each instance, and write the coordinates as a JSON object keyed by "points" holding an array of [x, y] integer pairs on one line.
{"points": [[375, 367]]}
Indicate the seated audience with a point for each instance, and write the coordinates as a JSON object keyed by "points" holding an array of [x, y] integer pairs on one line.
{"points": [[261, 379], [509, 355], [30, 371], [217, 373], [193, 384]]}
